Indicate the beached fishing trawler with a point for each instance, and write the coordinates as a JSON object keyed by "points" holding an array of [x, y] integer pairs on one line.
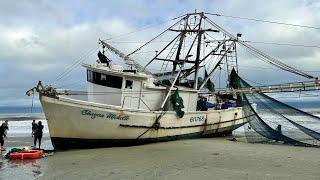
{"points": [[132, 105]]}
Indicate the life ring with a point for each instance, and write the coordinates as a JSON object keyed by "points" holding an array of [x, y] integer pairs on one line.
{"points": [[30, 154]]}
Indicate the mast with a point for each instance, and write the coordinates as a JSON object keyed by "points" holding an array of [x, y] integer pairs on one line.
{"points": [[197, 61], [191, 28], [217, 65], [182, 36]]}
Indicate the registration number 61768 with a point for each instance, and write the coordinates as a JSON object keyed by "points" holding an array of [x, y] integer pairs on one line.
{"points": [[197, 119]]}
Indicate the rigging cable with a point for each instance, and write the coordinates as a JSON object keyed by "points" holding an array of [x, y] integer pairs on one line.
{"points": [[263, 59], [74, 65], [284, 44], [247, 41], [32, 101], [265, 21], [269, 59], [141, 29], [159, 35], [69, 69]]}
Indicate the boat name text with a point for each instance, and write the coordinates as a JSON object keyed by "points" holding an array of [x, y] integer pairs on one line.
{"points": [[197, 119], [111, 116]]}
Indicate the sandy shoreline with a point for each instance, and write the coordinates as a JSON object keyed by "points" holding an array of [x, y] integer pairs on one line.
{"points": [[214, 158], [26, 141]]}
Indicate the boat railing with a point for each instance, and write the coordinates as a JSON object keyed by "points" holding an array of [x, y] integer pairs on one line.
{"points": [[73, 94], [123, 101], [285, 87]]}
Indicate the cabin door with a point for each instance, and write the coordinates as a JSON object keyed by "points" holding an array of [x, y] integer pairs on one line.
{"points": [[135, 101], [127, 93], [132, 94]]}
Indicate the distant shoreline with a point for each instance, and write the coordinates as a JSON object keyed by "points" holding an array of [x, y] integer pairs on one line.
{"points": [[312, 110], [21, 116]]}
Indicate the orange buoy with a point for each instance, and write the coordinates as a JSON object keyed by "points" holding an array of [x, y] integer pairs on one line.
{"points": [[30, 154]]}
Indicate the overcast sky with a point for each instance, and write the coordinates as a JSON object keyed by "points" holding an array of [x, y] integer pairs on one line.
{"points": [[39, 39]]}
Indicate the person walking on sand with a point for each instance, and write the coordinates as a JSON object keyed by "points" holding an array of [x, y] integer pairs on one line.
{"points": [[34, 127], [38, 134], [3, 128]]}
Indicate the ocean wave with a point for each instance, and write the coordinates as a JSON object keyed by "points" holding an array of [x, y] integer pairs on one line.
{"points": [[24, 128], [21, 116]]}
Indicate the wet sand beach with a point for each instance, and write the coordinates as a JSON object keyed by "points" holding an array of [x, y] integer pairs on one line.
{"points": [[210, 158]]}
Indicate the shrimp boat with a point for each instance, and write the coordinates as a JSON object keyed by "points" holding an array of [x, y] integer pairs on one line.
{"points": [[131, 105]]}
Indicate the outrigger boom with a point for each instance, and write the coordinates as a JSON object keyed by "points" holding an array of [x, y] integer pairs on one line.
{"points": [[276, 88], [286, 87]]}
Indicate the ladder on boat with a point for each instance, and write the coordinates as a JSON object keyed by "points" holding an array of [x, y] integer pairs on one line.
{"points": [[169, 56]]}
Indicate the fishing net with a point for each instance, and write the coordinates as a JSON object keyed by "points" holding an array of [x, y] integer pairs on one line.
{"points": [[177, 104], [270, 120]]}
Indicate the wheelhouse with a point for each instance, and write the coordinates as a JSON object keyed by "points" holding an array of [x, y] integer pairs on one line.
{"points": [[131, 89]]}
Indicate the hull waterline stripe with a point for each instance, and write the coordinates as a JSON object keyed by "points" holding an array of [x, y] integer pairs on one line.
{"points": [[61, 143]]}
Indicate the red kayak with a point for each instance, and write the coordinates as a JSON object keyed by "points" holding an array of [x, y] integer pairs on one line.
{"points": [[30, 154]]}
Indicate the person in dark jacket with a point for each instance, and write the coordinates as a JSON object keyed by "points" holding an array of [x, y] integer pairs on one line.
{"points": [[224, 105], [6, 125], [38, 134], [3, 129], [34, 127]]}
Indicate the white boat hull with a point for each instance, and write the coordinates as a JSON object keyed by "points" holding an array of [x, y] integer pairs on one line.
{"points": [[81, 124]]}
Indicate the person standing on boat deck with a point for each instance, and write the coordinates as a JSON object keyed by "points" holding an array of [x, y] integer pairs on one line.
{"points": [[2, 134], [38, 134], [34, 127]]}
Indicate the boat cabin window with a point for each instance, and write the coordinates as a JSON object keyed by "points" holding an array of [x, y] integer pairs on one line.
{"points": [[129, 84], [104, 79]]}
